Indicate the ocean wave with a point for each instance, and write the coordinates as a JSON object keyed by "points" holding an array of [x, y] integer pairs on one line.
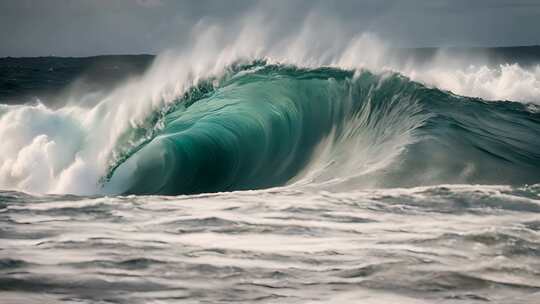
{"points": [[262, 125]]}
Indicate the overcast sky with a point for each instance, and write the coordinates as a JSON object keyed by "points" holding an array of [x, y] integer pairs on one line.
{"points": [[90, 27]]}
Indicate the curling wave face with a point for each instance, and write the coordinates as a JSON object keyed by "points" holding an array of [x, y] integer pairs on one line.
{"points": [[268, 125], [261, 126]]}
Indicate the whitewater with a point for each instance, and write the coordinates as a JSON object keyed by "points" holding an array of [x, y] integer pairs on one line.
{"points": [[249, 168]]}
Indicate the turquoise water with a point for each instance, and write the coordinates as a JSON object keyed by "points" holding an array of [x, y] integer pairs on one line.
{"points": [[259, 126]]}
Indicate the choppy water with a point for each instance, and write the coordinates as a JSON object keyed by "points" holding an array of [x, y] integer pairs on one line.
{"points": [[443, 244]]}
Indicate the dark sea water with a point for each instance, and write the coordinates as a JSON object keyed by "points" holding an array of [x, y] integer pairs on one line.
{"points": [[270, 182]]}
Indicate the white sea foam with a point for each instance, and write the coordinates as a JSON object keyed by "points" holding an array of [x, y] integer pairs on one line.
{"points": [[503, 82]]}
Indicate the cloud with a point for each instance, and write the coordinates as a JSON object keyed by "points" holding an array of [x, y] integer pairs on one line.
{"points": [[84, 28], [150, 3]]}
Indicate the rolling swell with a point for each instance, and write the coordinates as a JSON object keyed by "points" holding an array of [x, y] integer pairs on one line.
{"points": [[263, 125]]}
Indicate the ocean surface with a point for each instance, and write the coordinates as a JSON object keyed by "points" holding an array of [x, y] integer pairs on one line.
{"points": [[271, 177]]}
